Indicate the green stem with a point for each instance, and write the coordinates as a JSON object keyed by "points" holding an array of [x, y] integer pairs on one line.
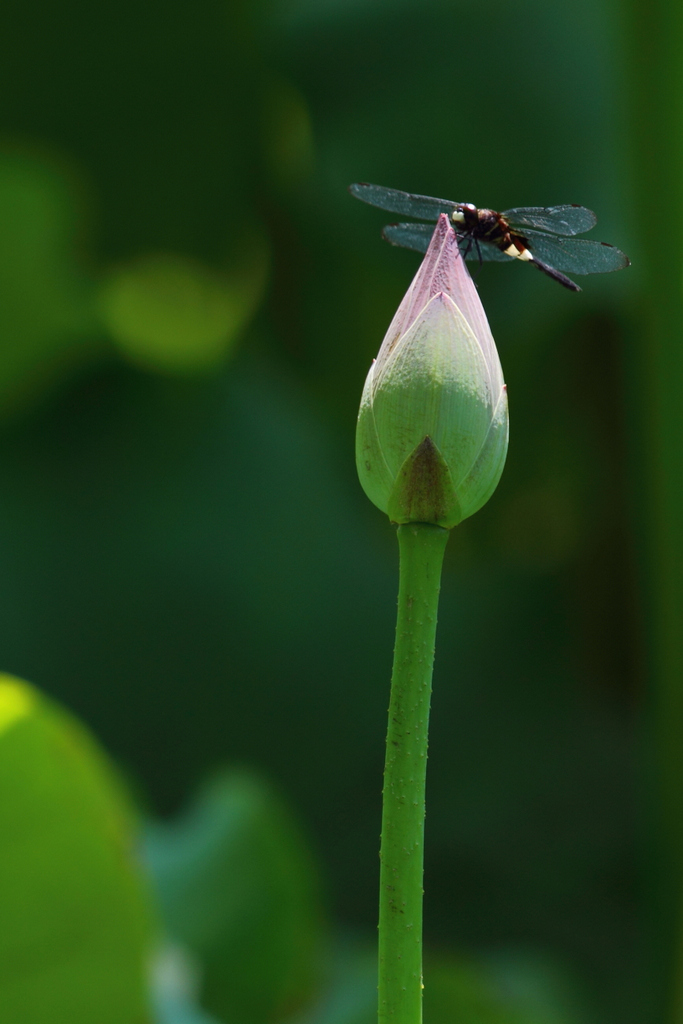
{"points": [[421, 549]]}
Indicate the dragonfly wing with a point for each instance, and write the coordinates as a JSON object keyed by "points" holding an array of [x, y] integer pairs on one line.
{"points": [[576, 255], [560, 220], [418, 237], [406, 203], [409, 236]]}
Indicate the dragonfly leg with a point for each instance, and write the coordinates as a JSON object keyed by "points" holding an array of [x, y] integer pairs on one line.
{"points": [[479, 257], [468, 248]]}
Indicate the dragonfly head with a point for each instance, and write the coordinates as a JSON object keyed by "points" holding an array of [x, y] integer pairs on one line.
{"points": [[466, 214]]}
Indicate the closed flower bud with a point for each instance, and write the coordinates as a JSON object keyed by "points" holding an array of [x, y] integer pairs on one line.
{"points": [[433, 423]]}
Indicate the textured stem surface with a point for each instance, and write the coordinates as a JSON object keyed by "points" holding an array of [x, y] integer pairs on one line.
{"points": [[422, 549]]}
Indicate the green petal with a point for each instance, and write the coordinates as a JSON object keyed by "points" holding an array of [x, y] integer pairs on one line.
{"points": [[436, 384], [483, 477], [374, 474]]}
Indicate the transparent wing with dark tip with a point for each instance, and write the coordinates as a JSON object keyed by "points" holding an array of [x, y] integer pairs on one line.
{"points": [[418, 237], [409, 236], [560, 220], [576, 255], [406, 203]]}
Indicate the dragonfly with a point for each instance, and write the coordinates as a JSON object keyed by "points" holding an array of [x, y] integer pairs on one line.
{"points": [[539, 235]]}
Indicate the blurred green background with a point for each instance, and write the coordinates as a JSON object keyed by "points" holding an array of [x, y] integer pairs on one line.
{"points": [[189, 302]]}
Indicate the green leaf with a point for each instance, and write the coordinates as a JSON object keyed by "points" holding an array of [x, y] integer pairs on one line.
{"points": [[237, 886], [511, 987], [74, 924], [174, 314], [174, 988], [508, 988], [45, 301]]}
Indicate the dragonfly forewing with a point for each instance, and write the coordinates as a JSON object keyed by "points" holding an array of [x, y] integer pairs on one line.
{"points": [[406, 203]]}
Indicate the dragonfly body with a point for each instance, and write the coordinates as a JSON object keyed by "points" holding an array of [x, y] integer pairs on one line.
{"points": [[492, 228], [541, 236]]}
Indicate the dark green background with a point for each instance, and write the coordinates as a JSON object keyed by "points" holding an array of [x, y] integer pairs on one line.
{"points": [[188, 561]]}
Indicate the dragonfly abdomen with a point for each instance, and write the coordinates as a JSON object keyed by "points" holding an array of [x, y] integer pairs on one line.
{"points": [[490, 226]]}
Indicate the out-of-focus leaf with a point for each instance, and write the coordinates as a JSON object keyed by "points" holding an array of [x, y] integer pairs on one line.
{"points": [[44, 297], [509, 989], [175, 983], [287, 133], [350, 993], [170, 313], [74, 924], [176, 1010], [237, 886]]}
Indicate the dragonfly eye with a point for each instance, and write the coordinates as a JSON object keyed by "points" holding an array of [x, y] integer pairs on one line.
{"points": [[469, 215]]}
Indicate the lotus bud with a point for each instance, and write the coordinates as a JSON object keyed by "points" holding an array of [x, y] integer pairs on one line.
{"points": [[433, 423]]}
